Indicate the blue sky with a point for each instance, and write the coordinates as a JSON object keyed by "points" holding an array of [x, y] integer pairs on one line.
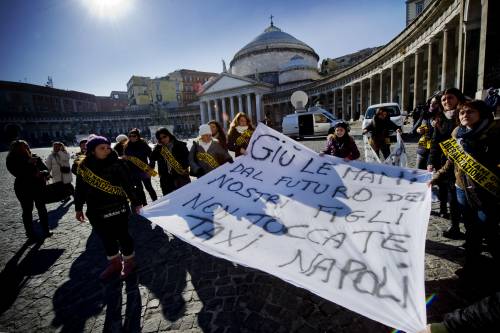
{"points": [[96, 52]]}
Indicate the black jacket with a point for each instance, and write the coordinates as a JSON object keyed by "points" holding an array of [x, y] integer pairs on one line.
{"points": [[483, 316], [180, 152], [442, 132], [114, 171], [27, 174]]}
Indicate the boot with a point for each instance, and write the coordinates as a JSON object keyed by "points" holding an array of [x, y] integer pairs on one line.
{"points": [[114, 268], [129, 267]]}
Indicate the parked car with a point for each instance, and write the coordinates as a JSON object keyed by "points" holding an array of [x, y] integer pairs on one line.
{"points": [[397, 117], [315, 121]]}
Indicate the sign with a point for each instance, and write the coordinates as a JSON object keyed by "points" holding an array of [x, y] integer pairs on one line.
{"points": [[350, 232]]}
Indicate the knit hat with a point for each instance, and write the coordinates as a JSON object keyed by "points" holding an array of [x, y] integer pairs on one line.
{"points": [[135, 131], [94, 141], [204, 129], [121, 137], [343, 125]]}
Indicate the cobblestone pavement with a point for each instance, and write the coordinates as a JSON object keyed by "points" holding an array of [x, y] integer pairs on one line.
{"points": [[53, 286]]}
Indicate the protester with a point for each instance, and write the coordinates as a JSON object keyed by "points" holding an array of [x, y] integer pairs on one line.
{"points": [[173, 161], [218, 133], [478, 138], [483, 316], [206, 153], [492, 99], [239, 134], [31, 175], [379, 129], [340, 144], [425, 129], [79, 156], [137, 153], [104, 184], [58, 164], [443, 126], [121, 141]]}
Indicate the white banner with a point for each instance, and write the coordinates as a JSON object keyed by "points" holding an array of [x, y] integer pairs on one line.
{"points": [[350, 232]]}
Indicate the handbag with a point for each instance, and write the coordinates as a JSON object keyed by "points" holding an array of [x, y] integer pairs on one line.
{"points": [[57, 192]]}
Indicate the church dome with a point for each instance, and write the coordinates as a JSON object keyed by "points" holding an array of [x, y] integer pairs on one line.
{"points": [[265, 56]]}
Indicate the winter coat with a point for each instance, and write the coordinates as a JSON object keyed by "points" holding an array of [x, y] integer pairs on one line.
{"points": [[344, 147], [380, 131], [442, 132], [484, 147], [113, 170], [483, 316], [31, 176], [233, 144], [179, 151], [54, 163], [142, 151], [200, 168], [119, 147]]}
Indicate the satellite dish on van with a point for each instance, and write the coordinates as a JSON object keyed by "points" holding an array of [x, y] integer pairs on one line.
{"points": [[299, 100]]}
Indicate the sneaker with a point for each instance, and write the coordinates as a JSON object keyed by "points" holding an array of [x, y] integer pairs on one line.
{"points": [[114, 268], [129, 267], [453, 233]]}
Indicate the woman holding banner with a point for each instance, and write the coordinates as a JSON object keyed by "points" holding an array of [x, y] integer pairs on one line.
{"points": [[474, 153], [173, 161], [104, 184], [206, 153], [137, 153], [340, 144], [239, 134]]}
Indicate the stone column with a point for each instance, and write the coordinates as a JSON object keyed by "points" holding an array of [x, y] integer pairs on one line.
{"points": [[430, 70], [217, 110], [224, 113], [362, 99], [371, 93], [444, 61], [258, 103], [381, 87], [249, 106], [209, 105], [405, 86], [335, 102], [392, 95], [202, 112], [417, 79], [240, 104], [344, 103], [353, 101], [231, 105]]}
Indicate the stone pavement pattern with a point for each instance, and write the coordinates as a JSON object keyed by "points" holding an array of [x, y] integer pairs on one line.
{"points": [[53, 286]]}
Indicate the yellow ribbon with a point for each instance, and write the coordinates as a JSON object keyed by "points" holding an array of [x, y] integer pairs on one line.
{"points": [[475, 170], [244, 138], [97, 182], [174, 164], [208, 159], [143, 166]]}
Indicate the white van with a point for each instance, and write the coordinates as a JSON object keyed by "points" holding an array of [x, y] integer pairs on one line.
{"points": [[316, 121], [397, 117]]}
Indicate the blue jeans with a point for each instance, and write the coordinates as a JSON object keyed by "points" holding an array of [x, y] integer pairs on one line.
{"points": [[480, 223]]}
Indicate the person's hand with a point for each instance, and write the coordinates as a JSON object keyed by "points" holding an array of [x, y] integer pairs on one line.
{"points": [[321, 154], [347, 159], [419, 130], [427, 329], [124, 157], [137, 209], [399, 131], [33, 160], [365, 131], [430, 168], [80, 216], [243, 151]]}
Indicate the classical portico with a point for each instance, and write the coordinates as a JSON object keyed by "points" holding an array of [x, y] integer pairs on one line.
{"points": [[228, 94]]}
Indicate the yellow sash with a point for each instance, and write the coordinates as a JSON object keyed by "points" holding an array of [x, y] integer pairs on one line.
{"points": [[208, 159], [424, 141], [143, 166], [475, 170], [97, 182], [244, 138], [174, 164]]}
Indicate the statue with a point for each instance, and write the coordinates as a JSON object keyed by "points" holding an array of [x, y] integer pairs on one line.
{"points": [[224, 68]]}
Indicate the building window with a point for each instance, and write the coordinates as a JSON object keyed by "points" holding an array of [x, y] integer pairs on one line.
{"points": [[419, 7]]}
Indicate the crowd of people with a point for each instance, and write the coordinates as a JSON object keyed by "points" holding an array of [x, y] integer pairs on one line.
{"points": [[458, 142]]}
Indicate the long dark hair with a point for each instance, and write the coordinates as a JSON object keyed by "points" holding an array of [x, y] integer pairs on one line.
{"points": [[16, 145], [221, 136], [165, 131]]}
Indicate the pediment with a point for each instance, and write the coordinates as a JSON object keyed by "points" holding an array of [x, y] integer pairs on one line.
{"points": [[226, 82]]}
